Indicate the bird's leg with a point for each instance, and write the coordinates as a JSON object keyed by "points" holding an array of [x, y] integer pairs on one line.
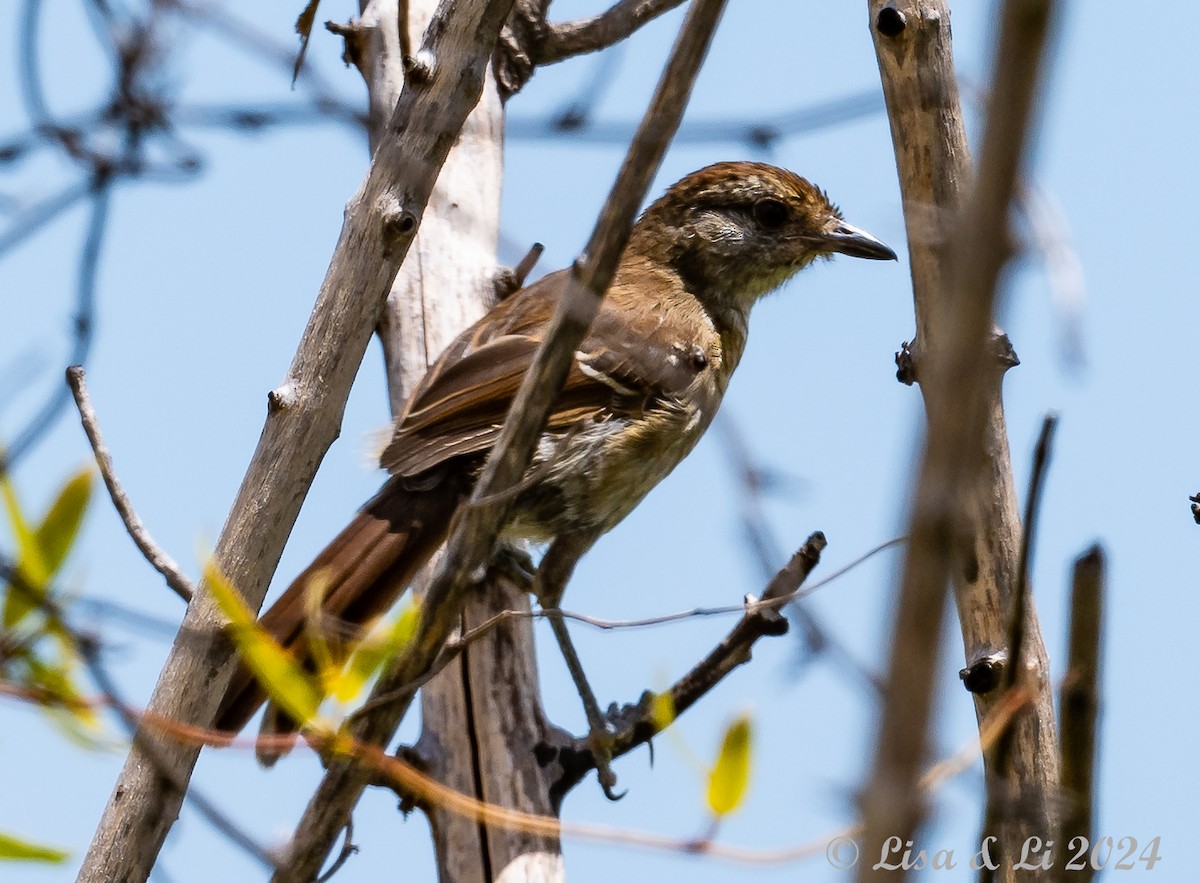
{"points": [[551, 580]]}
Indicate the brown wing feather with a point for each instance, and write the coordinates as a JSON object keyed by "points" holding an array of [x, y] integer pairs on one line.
{"points": [[630, 358]]}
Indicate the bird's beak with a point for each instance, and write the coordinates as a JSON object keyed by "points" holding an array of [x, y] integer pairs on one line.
{"points": [[849, 240]]}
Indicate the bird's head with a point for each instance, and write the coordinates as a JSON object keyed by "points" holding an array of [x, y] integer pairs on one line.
{"points": [[734, 231]]}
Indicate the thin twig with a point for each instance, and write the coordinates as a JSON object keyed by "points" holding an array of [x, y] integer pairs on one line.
{"points": [[29, 220], [82, 326], [348, 849], [407, 780], [568, 39], [509, 281], [759, 133], [159, 560], [998, 719], [259, 45], [29, 43], [411, 784], [255, 117], [135, 619], [637, 724], [1016, 634], [88, 649], [577, 111], [774, 602], [456, 645]]}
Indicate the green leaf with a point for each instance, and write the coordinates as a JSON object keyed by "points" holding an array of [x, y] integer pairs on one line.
{"points": [[59, 529], [730, 776], [15, 849], [41, 551], [31, 570], [284, 679], [382, 644], [26, 544], [56, 682]]}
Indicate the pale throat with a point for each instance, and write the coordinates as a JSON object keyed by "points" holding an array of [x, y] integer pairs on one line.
{"points": [[733, 324]]}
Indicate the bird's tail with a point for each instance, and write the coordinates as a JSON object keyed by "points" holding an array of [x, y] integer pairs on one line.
{"points": [[360, 574]]}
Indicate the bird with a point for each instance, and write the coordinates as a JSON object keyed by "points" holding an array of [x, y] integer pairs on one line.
{"points": [[645, 384]]}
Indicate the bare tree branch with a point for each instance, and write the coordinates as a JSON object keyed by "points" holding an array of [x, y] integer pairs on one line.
{"points": [[965, 480], [304, 415], [1002, 796], [498, 570], [1079, 703], [1020, 599], [570, 38], [472, 541], [413, 787], [159, 560], [636, 725], [528, 40]]}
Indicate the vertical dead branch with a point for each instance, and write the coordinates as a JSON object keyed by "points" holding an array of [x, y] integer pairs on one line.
{"points": [[964, 521], [1001, 795], [1079, 704], [481, 716], [472, 540], [304, 415]]}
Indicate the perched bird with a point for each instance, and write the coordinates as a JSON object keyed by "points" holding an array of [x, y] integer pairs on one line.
{"points": [[646, 383]]}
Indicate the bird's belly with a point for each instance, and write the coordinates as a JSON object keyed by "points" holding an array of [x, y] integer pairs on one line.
{"points": [[592, 477]]}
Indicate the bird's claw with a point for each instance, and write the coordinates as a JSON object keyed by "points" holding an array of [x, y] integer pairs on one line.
{"points": [[601, 745], [607, 788], [515, 563]]}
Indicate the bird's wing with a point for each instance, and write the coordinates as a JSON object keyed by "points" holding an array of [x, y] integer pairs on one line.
{"points": [[627, 361]]}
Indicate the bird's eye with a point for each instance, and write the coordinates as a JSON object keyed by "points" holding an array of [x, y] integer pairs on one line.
{"points": [[770, 213]]}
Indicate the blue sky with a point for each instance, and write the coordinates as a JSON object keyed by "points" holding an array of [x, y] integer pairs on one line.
{"points": [[205, 287]]}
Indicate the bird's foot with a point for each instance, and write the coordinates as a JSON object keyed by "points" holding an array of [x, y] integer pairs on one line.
{"points": [[600, 741], [515, 563]]}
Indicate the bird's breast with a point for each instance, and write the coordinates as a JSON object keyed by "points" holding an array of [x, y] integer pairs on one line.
{"points": [[593, 474]]}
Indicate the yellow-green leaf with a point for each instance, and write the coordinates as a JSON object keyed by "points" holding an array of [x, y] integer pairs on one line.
{"points": [[41, 551], [662, 710], [15, 849], [384, 642], [65, 707], [31, 570], [26, 544], [57, 533], [284, 679], [55, 682], [730, 775]]}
